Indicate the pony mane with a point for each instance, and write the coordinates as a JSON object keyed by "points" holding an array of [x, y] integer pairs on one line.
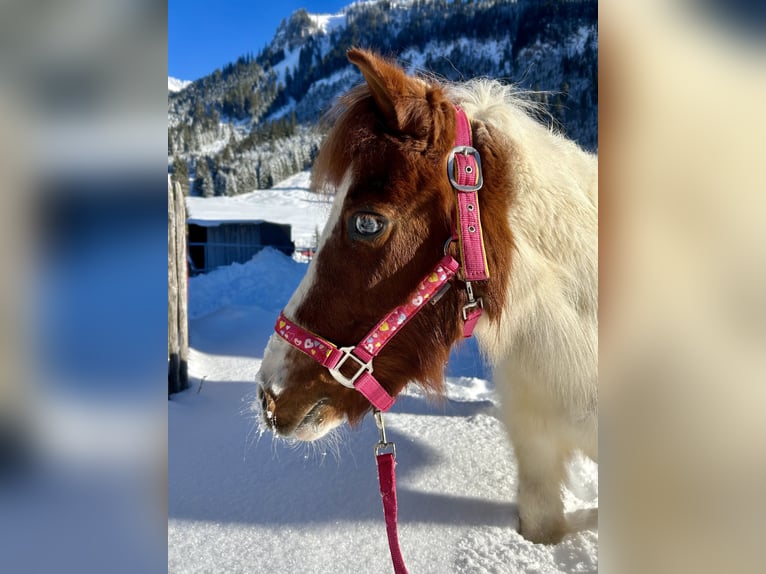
{"points": [[512, 112], [489, 99]]}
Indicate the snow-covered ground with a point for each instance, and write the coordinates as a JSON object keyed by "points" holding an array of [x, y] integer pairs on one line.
{"points": [[240, 501]]}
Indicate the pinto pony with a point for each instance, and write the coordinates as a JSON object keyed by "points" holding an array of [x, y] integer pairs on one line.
{"points": [[386, 160]]}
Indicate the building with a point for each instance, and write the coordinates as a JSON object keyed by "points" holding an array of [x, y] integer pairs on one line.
{"points": [[214, 243]]}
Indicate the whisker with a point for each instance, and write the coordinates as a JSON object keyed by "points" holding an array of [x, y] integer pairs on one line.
{"points": [[252, 411]]}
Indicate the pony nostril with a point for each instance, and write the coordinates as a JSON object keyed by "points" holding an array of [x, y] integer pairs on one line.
{"points": [[268, 402], [262, 397]]}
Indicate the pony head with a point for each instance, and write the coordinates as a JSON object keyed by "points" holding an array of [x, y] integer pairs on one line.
{"points": [[385, 161]]}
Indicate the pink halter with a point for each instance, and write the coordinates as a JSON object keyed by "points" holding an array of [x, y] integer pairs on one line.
{"points": [[464, 172], [360, 357]]}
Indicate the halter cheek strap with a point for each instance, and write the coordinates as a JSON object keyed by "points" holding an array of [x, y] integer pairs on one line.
{"points": [[465, 176], [352, 366]]}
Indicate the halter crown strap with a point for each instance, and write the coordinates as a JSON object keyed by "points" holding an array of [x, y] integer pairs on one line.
{"points": [[465, 175]]}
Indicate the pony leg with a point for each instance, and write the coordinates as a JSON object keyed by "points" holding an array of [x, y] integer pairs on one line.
{"points": [[542, 469], [542, 450]]}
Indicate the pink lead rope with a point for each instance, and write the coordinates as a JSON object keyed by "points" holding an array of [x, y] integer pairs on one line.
{"points": [[386, 462]]}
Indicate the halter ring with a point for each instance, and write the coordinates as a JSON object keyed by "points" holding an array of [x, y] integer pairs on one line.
{"points": [[343, 379]]}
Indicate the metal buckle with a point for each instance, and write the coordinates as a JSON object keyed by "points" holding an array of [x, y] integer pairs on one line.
{"points": [[472, 304], [383, 442], [379, 447], [340, 377], [465, 150]]}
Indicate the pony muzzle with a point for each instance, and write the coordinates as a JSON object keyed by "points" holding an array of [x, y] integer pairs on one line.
{"points": [[305, 424]]}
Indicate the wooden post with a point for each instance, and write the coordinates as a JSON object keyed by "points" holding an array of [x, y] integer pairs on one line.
{"points": [[178, 332], [182, 269]]}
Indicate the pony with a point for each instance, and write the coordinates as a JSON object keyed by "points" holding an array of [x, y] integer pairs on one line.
{"points": [[385, 159]]}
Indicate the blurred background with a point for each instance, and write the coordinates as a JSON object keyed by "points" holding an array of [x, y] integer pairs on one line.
{"points": [[682, 286], [83, 126], [82, 393]]}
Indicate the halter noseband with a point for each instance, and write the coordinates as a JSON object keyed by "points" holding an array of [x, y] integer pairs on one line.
{"points": [[465, 176]]}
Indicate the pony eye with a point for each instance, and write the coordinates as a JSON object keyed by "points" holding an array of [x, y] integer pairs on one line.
{"points": [[369, 225]]}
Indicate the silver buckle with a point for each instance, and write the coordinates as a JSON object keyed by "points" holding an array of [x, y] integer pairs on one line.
{"points": [[465, 150], [383, 443], [472, 305], [340, 377]]}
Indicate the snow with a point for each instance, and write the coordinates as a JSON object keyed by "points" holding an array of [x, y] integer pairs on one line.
{"points": [[342, 75], [176, 85], [328, 22], [289, 63], [241, 501], [415, 58], [283, 111], [290, 201], [246, 284], [324, 23]]}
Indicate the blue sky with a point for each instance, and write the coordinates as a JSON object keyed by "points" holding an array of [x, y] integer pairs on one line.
{"points": [[206, 34]]}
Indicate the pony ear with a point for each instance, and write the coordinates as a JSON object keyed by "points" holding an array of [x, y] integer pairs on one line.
{"points": [[393, 91]]}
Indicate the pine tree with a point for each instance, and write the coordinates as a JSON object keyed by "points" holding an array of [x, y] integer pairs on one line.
{"points": [[226, 155], [181, 173], [231, 183], [203, 180], [199, 115]]}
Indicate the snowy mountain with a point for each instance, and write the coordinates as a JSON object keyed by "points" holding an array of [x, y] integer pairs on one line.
{"points": [[176, 85], [255, 121]]}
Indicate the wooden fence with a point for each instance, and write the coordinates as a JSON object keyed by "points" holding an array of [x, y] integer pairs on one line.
{"points": [[178, 324]]}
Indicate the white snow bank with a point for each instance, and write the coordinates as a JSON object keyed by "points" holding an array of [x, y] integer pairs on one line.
{"points": [[266, 281], [328, 22]]}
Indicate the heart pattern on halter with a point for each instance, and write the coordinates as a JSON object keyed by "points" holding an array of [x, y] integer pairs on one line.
{"points": [[308, 344], [387, 328]]}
